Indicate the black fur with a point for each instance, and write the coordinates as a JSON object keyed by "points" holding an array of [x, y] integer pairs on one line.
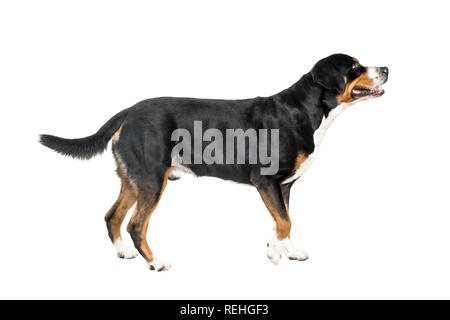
{"points": [[144, 146], [85, 148], [145, 143], [329, 72]]}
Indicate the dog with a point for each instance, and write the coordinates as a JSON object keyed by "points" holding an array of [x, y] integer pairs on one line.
{"points": [[142, 145]]}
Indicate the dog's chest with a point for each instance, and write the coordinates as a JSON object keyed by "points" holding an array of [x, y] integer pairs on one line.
{"points": [[318, 137]]}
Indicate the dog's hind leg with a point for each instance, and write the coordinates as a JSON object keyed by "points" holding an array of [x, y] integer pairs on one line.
{"points": [[115, 217], [148, 195]]}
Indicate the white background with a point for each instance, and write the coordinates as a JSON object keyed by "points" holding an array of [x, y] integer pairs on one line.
{"points": [[373, 211]]}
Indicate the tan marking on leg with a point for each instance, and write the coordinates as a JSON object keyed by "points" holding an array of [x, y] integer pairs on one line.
{"points": [[283, 227], [118, 211], [138, 225]]}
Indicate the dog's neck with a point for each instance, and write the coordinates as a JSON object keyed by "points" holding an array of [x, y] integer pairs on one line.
{"points": [[316, 101]]}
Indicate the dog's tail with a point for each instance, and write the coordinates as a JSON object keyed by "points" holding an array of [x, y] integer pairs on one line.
{"points": [[85, 148]]}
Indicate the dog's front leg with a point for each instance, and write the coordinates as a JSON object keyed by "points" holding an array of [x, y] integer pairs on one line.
{"points": [[276, 199]]}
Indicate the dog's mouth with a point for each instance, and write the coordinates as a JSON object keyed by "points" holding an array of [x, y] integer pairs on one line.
{"points": [[359, 92]]}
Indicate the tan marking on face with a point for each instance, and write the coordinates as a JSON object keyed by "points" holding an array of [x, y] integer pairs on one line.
{"points": [[362, 81]]}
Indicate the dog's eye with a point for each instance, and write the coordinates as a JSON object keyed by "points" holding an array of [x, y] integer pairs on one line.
{"points": [[355, 65]]}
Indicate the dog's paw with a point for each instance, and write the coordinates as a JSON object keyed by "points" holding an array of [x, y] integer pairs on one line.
{"points": [[276, 248], [298, 254], [128, 253], [274, 252], [124, 252], [159, 265]]}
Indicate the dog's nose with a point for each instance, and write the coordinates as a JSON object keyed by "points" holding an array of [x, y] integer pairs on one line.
{"points": [[384, 70]]}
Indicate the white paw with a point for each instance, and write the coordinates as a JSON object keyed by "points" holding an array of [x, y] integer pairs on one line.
{"points": [[159, 265], [276, 248], [298, 254], [123, 251], [274, 252]]}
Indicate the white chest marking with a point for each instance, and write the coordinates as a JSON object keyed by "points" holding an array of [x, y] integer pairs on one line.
{"points": [[318, 137]]}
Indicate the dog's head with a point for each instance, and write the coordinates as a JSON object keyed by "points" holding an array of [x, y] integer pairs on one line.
{"points": [[348, 80]]}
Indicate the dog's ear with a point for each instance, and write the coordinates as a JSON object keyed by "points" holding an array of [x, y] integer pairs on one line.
{"points": [[327, 75]]}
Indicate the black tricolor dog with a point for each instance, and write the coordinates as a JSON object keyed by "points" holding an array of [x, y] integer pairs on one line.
{"points": [[142, 145]]}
